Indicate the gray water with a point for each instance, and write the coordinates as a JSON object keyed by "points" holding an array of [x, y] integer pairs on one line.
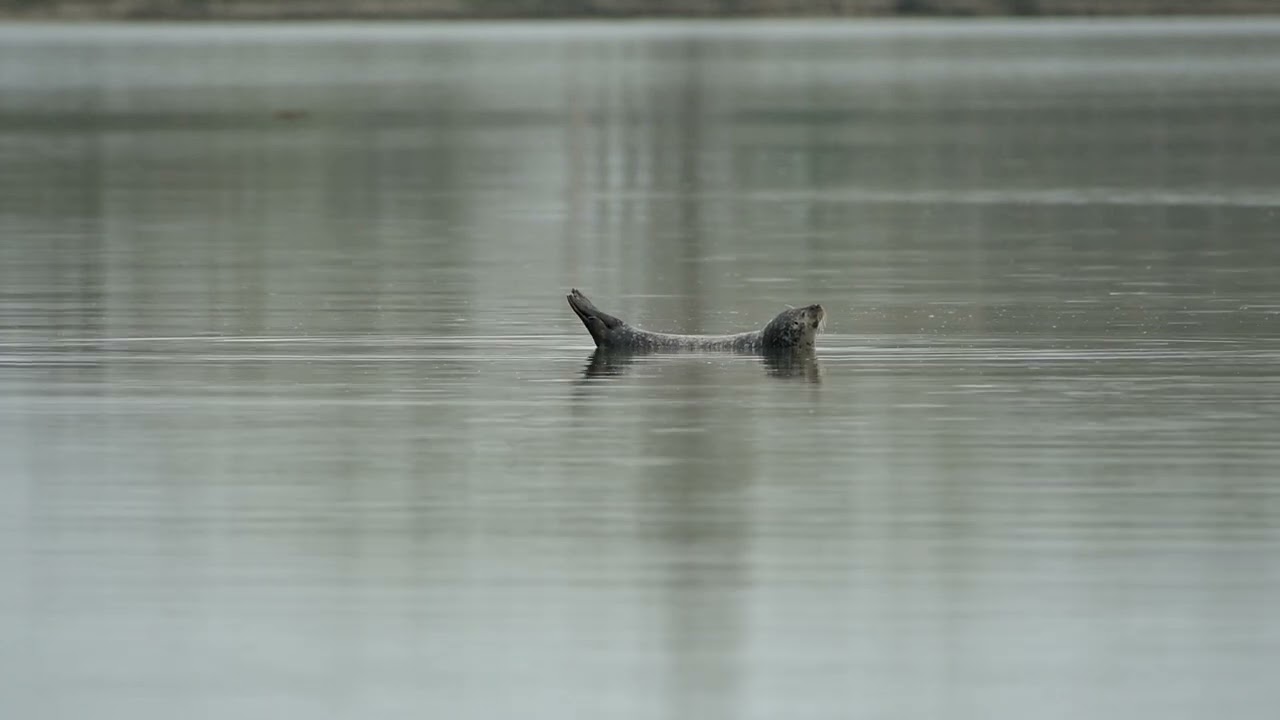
{"points": [[296, 423]]}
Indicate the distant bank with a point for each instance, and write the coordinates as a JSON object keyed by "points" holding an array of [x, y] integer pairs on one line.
{"points": [[511, 9]]}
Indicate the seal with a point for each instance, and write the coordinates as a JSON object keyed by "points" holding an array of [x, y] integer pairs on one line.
{"points": [[792, 330]]}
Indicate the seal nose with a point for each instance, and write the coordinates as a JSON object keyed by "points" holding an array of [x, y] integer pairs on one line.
{"points": [[819, 315]]}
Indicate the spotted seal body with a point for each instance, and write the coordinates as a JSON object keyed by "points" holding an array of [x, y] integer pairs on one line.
{"points": [[793, 329]]}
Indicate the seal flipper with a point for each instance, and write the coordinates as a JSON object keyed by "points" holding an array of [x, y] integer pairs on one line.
{"points": [[597, 329], [598, 323]]}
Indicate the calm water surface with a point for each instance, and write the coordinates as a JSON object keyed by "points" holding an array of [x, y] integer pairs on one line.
{"points": [[295, 421]]}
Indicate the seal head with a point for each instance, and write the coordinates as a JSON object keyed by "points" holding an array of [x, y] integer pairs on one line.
{"points": [[793, 329]]}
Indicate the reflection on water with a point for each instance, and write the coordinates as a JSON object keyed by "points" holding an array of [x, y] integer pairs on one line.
{"points": [[295, 421], [606, 363]]}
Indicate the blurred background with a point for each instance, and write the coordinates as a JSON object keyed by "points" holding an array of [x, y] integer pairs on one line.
{"points": [[295, 420], [544, 9]]}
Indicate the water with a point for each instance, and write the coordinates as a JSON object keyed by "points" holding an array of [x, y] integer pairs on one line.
{"points": [[297, 423]]}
